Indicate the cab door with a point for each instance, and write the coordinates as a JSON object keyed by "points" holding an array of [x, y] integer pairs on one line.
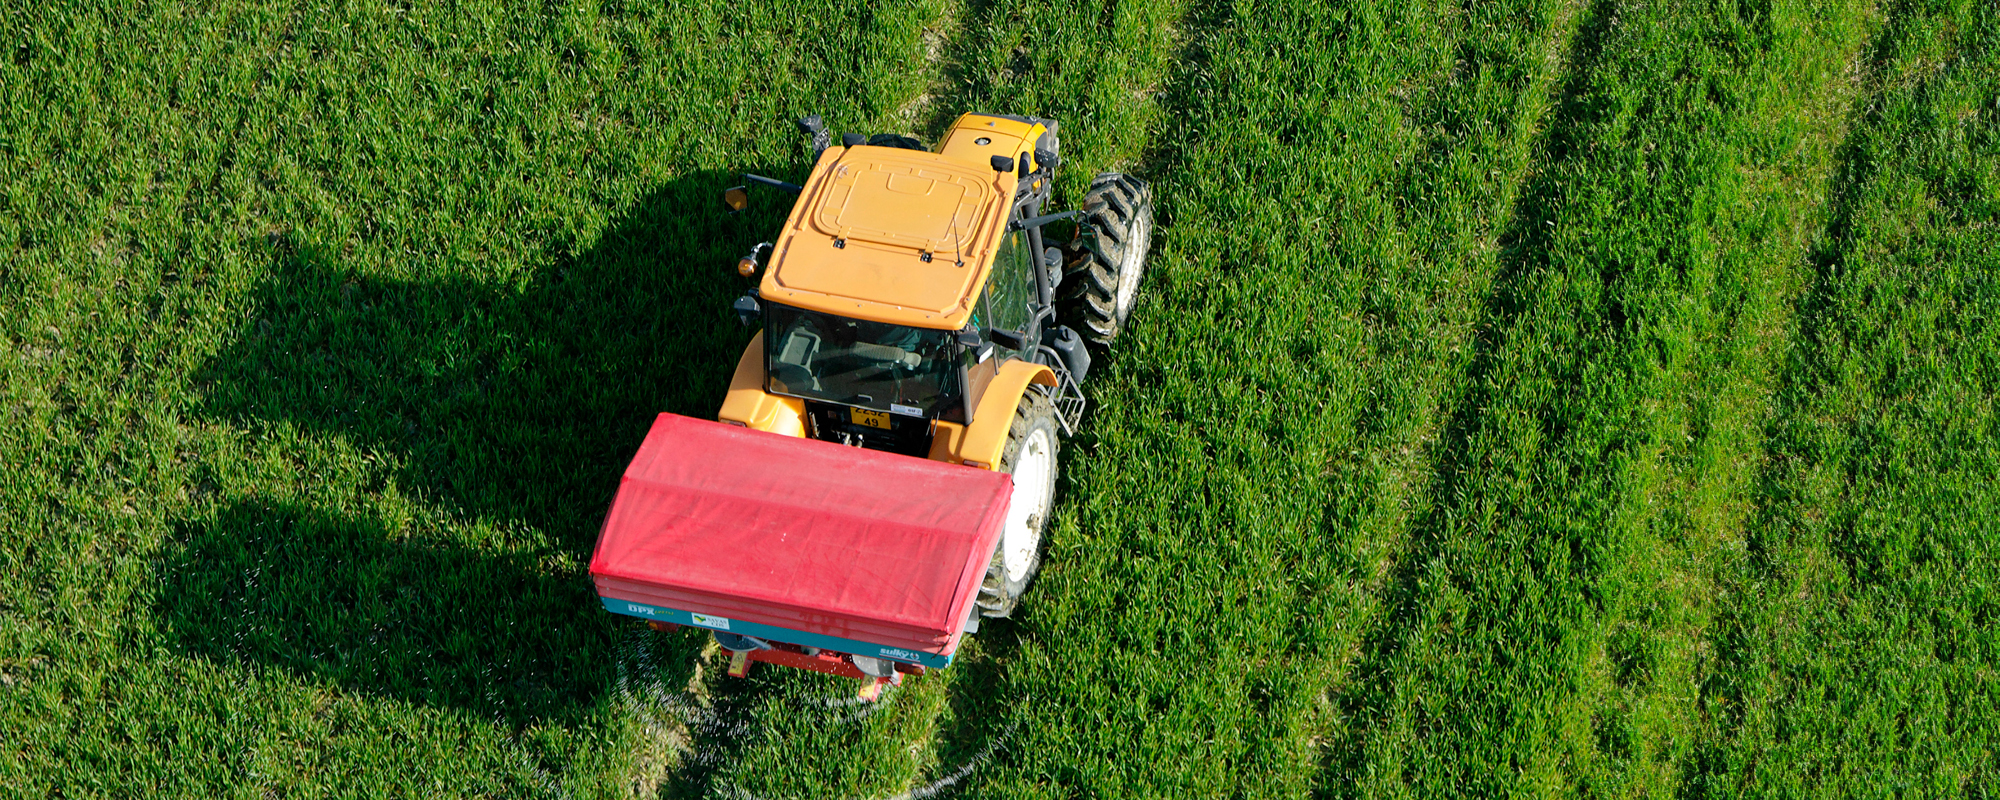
{"points": [[1011, 295]]}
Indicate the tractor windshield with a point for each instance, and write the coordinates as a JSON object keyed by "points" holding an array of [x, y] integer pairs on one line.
{"points": [[874, 365]]}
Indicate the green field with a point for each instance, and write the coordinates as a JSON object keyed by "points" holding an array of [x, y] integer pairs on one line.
{"points": [[1536, 397]]}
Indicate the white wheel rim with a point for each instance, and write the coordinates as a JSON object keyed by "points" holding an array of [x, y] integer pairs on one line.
{"points": [[1033, 468], [1135, 262]]}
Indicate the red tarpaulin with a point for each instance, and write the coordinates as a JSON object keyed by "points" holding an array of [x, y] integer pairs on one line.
{"points": [[800, 534]]}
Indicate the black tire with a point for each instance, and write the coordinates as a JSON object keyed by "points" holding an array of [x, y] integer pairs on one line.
{"points": [[895, 140], [1108, 258], [1003, 587]]}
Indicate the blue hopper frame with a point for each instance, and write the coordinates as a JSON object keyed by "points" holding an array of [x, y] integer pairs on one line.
{"points": [[774, 633]]}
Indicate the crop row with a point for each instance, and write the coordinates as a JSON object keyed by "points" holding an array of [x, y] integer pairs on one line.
{"points": [[1330, 172], [1549, 619], [1855, 641]]}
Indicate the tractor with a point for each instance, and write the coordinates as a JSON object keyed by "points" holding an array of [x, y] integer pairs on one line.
{"points": [[881, 471]]}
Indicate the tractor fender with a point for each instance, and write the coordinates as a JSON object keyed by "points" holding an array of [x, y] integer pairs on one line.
{"points": [[982, 441], [750, 406]]}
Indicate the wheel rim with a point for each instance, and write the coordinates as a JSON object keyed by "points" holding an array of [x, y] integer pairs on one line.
{"points": [[1134, 262], [1033, 466]]}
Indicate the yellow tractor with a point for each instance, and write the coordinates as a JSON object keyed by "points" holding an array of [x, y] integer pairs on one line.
{"points": [[911, 307]]}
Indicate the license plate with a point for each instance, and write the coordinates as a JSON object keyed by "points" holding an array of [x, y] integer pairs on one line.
{"points": [[872, 419]]}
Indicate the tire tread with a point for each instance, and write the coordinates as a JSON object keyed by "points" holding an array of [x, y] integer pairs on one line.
{"points": [[1088, 299]]}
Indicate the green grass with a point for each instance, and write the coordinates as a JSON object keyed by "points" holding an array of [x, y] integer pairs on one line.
{"points": [[1549, 613], [1540, 397], [1858, 650], [329, 332]]}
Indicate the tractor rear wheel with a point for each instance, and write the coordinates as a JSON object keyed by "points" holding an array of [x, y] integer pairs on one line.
{"points": [[1030, 456], [1101, 281]]}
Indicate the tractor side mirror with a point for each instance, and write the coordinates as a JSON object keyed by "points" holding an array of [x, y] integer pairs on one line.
{"points": [[747, 310], [736, 197]]}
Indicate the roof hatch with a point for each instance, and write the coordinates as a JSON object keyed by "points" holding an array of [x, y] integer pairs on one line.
{"points": [[890, 235]]}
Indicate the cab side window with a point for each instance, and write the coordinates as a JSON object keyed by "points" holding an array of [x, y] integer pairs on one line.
{"points": [[1010, 289]]}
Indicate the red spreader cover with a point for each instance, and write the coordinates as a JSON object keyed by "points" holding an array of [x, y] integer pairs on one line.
{"points": [[802, 534]]}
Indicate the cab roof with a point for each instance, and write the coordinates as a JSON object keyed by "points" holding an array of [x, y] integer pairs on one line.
{"points": [[891, 235]]}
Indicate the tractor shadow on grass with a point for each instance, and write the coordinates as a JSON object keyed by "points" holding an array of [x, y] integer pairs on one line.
{"points": [[515, 404], [495, 417], [409, 615]]}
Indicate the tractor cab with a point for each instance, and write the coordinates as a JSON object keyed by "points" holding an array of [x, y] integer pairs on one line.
{"points": [[904, 280]]}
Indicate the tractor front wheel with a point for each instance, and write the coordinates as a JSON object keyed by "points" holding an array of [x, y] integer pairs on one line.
{"points": [[1101, 281], [1030, 456]]}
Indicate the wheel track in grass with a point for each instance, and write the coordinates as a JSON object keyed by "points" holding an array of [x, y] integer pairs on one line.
{"points": [[1561, 26], [1272, 737], [1399, 456], [1494, 96], [1852, 658], [1564, 671], [1395, 579], [727, 723]]}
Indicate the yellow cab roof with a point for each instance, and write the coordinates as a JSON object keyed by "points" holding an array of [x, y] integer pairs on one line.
{"points": [[856, 242]]}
